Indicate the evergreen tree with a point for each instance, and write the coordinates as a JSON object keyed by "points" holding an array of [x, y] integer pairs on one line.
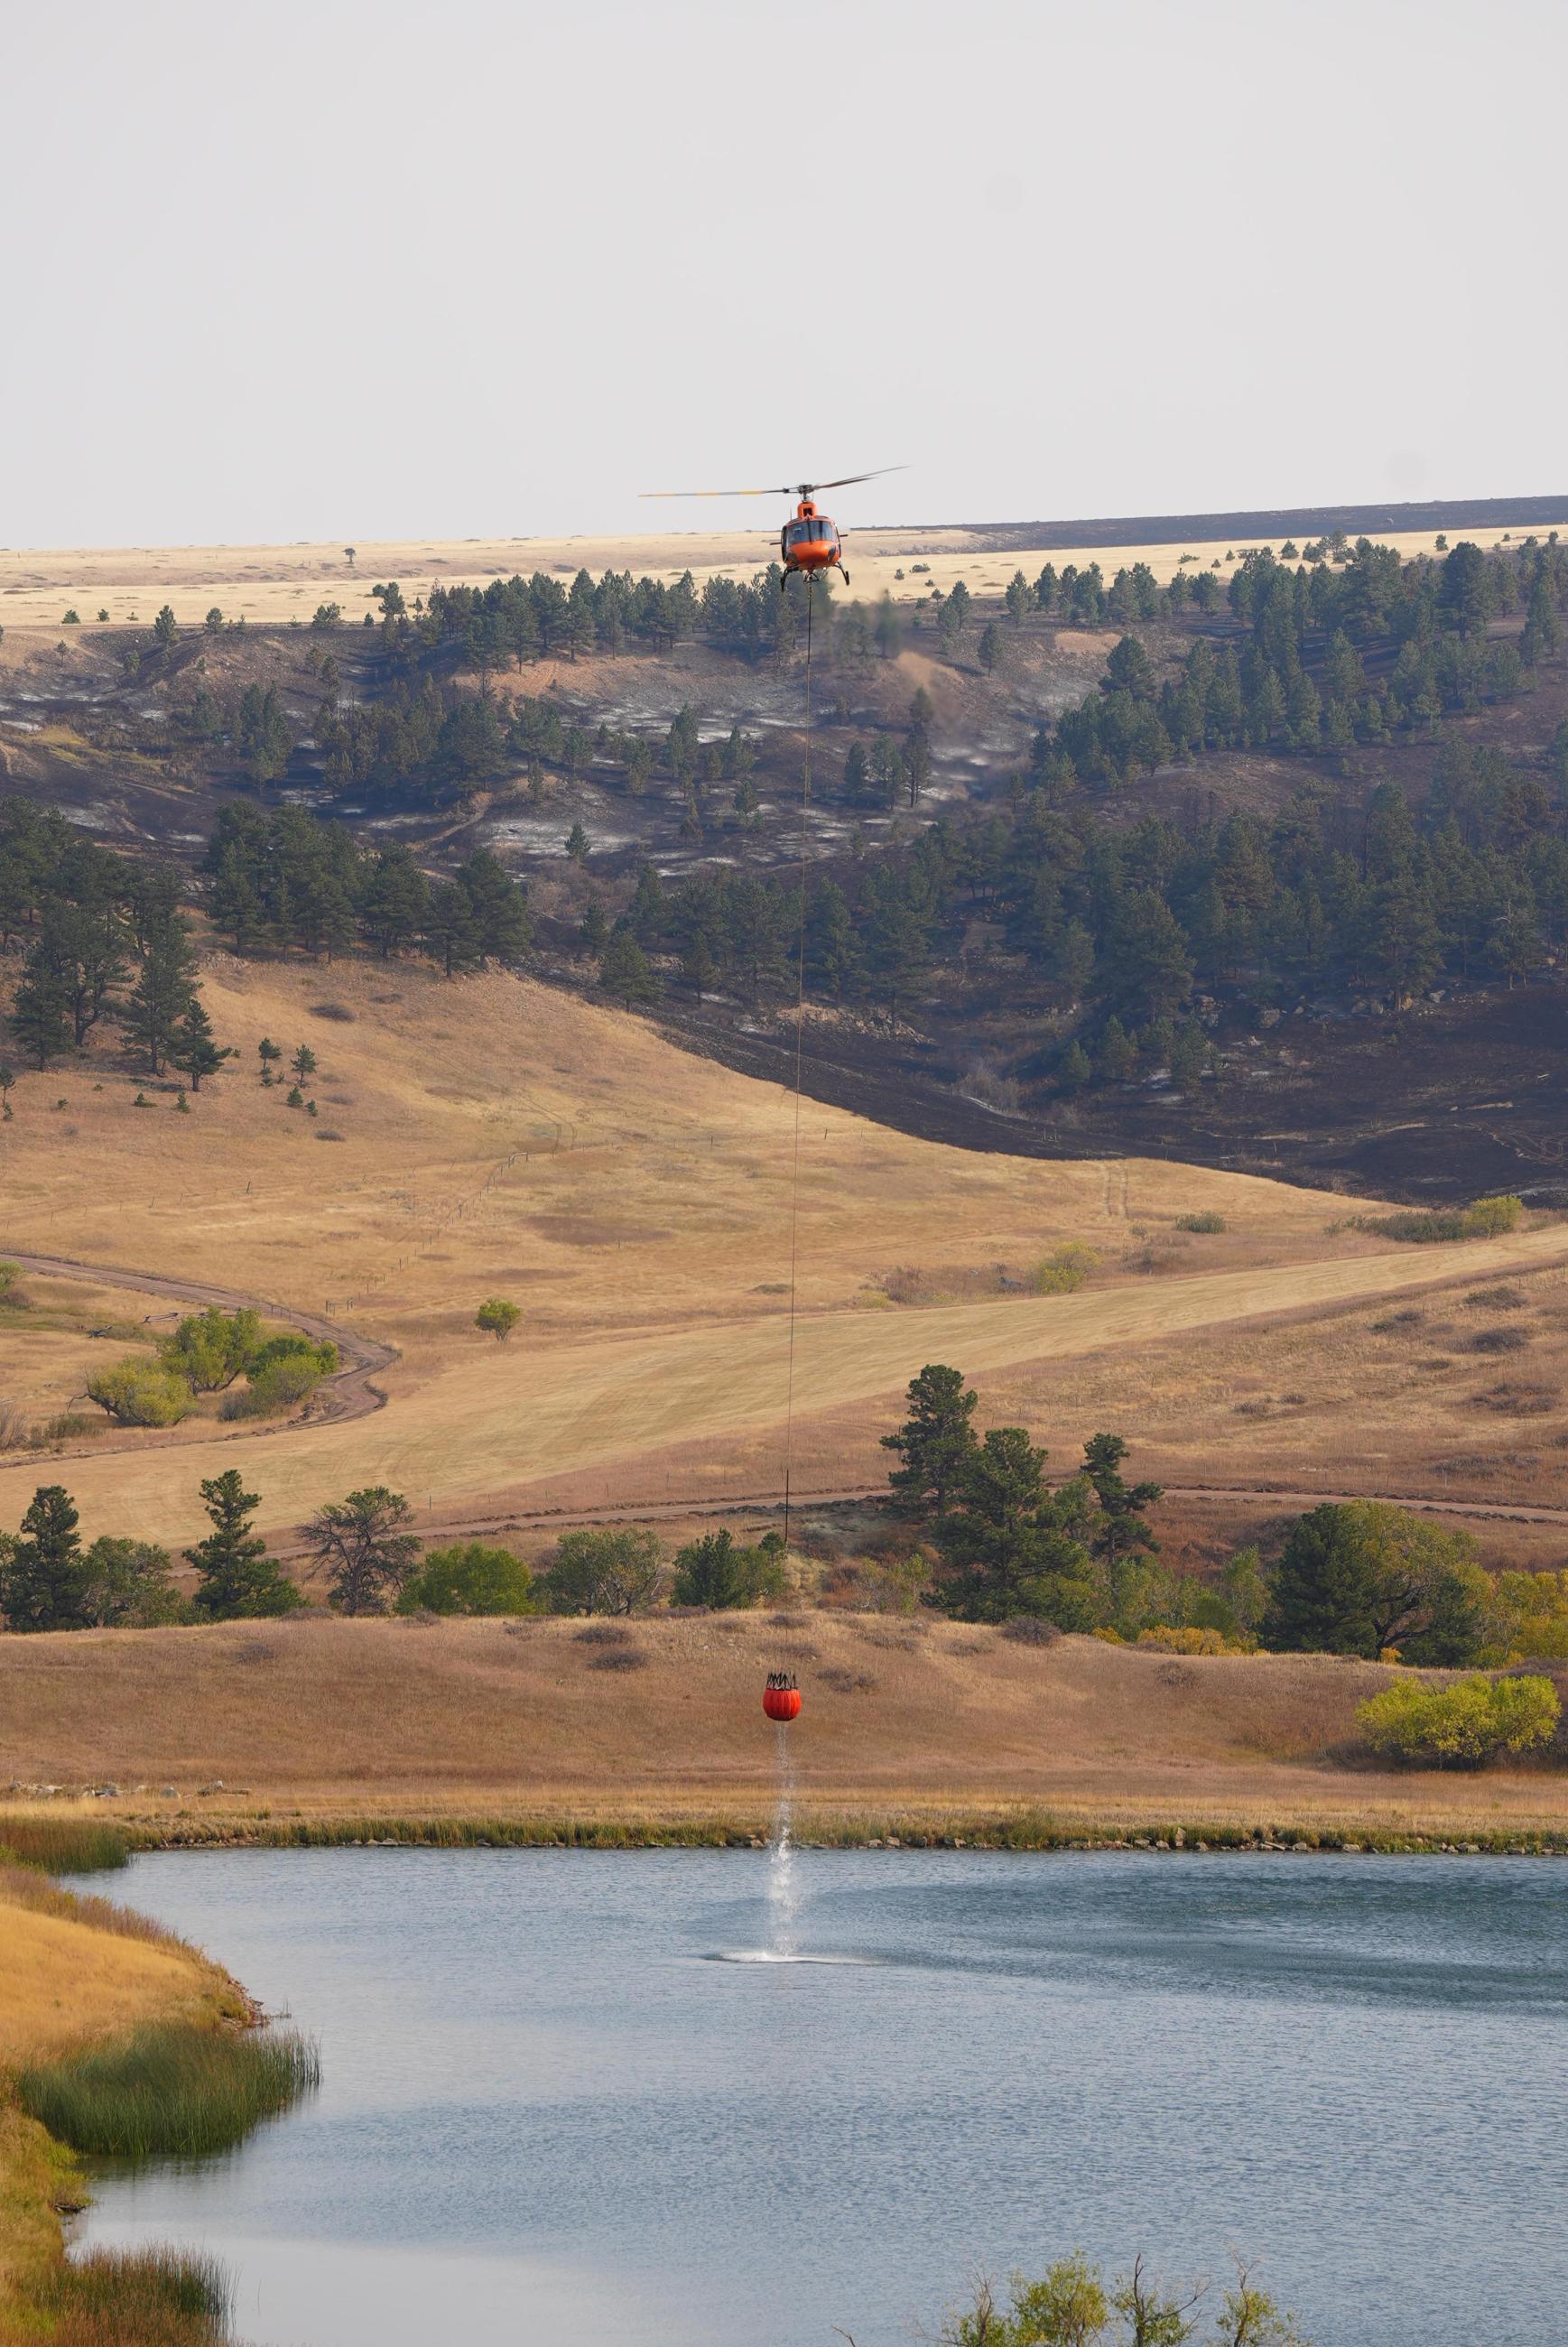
{"points": [[624, 973], [40, 1010], [236, 1578], [1121, 1533], [934, 1442], [44, 1581], [1008, 1545], [193, 1047], [156, 1007], [451, 932]]}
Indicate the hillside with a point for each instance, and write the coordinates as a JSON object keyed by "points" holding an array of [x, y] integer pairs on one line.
{"points": [[1365, 870], [491, 1135], [252, 1727]]}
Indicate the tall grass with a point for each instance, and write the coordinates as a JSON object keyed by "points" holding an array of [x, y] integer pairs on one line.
{"points": [[136, 2298], [63, 1845], [174, 2089]]}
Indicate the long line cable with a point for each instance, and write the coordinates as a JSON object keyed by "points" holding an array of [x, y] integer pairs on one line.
{"points": [[799, 1037]]}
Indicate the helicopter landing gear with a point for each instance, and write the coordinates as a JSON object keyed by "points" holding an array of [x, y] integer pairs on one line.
{"points": [[843, 574]]}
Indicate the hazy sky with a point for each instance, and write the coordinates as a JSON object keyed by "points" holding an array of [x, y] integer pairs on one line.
{"points": [[300, 269]]}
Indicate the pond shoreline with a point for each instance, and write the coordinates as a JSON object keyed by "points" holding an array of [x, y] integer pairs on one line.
{"points": [[899, 1831]]}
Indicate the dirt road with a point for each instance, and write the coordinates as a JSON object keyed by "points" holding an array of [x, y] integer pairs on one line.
{"points": [[349, 1393]]}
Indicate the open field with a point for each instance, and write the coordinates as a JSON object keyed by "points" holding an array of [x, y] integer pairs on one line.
{"points": [[274, 584], [491, 1136], [313, 1720]]}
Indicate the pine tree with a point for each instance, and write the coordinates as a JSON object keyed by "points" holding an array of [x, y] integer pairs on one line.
{"points": [[236, 1577], [40, 1010], [624, 973], [451, 932], [163, 992], [43, 1584], [934, 1442], [193, 1049]]}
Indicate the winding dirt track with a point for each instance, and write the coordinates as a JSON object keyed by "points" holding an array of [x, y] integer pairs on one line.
{"points": [[349, 1393]]}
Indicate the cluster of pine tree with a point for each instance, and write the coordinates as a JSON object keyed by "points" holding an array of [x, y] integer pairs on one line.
{"points": [[1333, 655], [513, 621], [103, 938], [287, 880], [1118, 928]]}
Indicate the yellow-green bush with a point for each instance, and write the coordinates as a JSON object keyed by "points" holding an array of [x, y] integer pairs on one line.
{"points": [[1459, 1726], [136, 1393], [1187, 1638], [1066, 1268]]}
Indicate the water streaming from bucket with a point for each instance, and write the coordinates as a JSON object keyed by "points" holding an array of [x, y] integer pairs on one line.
{"points": [[783, 1894]]}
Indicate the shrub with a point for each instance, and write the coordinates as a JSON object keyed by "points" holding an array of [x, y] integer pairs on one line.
{"points": [[172, 2089], [137, 1393], [1188, 1638], [617, 1658], [10, 1273], [1065, 1268], [1486, 1218], [1462, 1726], [469, 1578], [1030, 1630], [1498, 1340], [713, 1573], [1208, 1223]]}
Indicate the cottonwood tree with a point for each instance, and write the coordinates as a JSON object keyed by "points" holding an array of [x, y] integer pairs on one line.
{"points": [[236, 1578], [498, 1317], [127, 1585], [606, 1572], [360, 1544]]}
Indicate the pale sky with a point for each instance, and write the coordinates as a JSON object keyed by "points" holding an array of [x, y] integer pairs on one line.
{"points": [[282, 270]]}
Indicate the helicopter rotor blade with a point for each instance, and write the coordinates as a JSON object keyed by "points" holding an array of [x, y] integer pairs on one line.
{"points": [[848, 479], [786, 492]]}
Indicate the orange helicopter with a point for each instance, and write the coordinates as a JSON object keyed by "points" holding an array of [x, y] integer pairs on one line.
{"points": [[811, 542]]}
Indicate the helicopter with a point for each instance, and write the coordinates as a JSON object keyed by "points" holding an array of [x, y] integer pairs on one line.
{"points": [[811, 542]]}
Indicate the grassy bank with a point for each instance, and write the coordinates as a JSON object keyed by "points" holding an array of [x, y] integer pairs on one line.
{"points": [[114, 2037], [1022, 1829], [173, 2089]]}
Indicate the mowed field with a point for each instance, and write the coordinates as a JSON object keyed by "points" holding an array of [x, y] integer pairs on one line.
{"points": [[275, 584], [491, 1136], [252, 1727]]}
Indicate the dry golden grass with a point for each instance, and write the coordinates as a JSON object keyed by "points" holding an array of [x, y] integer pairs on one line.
{"points": [[321, 1718], [67, 1329], [498, 1137], [275, 584], [67, 1980]]}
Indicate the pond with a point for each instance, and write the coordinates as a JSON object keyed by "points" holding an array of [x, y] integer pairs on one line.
{"points": [[555, 2107]]}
